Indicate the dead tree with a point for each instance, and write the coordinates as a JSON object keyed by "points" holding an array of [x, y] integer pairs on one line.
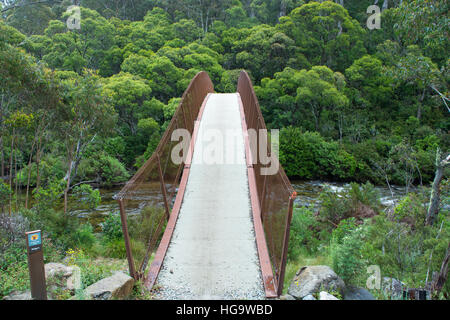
{"points": [[433, 208]]}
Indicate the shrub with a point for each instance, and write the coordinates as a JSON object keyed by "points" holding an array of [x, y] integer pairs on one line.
{"points": [[5, 192], [345, 250], [112, 227], [102, 168], [343, 229], [143, 227], [404, 252], [84, 236], [91, 271], [15, 276], [302, 236], [115, 249], [49, 196], [12, 231], [64, 230], [359, 201], [90, 198], [411, 209], [50, 168], [309, 156], [333, 206], [365, 194]]}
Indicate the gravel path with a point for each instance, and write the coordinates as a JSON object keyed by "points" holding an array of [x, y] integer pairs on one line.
{"points": [[213, 254]]}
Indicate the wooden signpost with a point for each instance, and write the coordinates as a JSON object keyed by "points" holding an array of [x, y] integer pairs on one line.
{"points": [[36, 265]]}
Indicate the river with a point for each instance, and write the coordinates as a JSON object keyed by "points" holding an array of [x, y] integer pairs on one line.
{"points": [[308, 196], [309, 191]]}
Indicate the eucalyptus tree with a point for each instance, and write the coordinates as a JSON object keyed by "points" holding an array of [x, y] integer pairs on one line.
{"points": [[369, 87], [133, 101], [28, 98], [292, 95], [325, 33], [75, 49], [266, 50], [84, 115], [419, 72], [425, 23]]}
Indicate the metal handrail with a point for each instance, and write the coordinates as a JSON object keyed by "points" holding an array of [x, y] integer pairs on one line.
{"points": [[275, 192], [158, 170]]}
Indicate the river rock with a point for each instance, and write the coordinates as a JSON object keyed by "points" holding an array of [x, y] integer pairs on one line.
{"points": [[312, 279], [70, 276], [354, 293], [118, 286], [52, 269], [287, 297], [309, 297], [326, 296], [19, 296]]}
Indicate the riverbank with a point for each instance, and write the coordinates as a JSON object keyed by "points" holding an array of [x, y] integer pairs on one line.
{"points": [[308, 193]]}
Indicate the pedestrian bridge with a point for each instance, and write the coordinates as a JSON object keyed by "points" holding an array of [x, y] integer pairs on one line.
{"points": [[208, 215]]}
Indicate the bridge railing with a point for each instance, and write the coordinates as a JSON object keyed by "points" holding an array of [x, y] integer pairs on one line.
{"points": [[147, 199], [275, 192]]}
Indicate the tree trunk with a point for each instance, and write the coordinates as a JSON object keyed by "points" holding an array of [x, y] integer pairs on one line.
{"points": [[29, 173], [433, 207], [38, 161], [419, 106], [1, 138], [440, 280], [2, 157], [316, 116], [66, 191], [15, 172], [282, 9], [11, 171]]}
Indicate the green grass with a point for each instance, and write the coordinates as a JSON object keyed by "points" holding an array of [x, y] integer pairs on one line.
{"points": [[14, 278]]}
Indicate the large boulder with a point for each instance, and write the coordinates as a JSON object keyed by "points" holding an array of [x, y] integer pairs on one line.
{"points": [[53, 269], [354, 293], [60, 276], [287, 297], [19, 296], [118, 286], [312, 279], [326, 296]]}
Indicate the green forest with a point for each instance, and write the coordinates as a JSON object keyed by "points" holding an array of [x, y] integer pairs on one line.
{"points": [[83, 109]]}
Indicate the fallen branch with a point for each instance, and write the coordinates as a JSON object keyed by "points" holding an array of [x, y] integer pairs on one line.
{"points": [[82, 182]]}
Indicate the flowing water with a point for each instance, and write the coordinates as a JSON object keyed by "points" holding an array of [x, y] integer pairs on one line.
{"points": [[308, 196], [309, 191]]}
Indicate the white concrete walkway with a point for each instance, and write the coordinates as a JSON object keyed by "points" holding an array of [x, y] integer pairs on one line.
{"points": [[213, 254]]}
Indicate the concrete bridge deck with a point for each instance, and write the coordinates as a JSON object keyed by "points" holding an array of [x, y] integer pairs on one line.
{"points": [[212, 253]]}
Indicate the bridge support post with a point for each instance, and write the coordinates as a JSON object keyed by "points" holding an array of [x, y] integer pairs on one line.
{"points": [[163, 187], [126, 237], [285, 246]]}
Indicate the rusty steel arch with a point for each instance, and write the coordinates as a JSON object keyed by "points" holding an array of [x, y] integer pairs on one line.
{"points": [[143, 217], [148, 223], [274, 193]]}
